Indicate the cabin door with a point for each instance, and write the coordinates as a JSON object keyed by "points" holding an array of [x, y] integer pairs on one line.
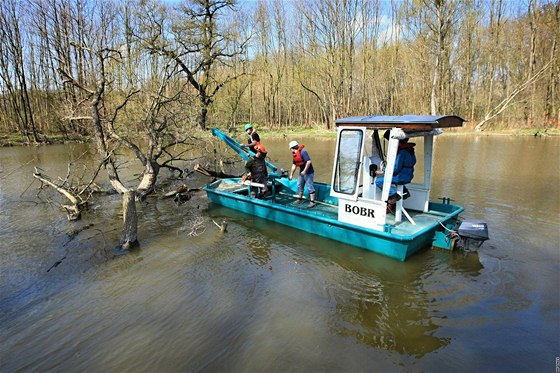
{"points": [[353, 208], [347, 163]]}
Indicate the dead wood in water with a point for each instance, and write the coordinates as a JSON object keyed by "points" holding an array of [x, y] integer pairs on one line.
{"points": [[183, 188], [129, 238], [223, 226], [74, 210], [216, 174], [181, 194]]}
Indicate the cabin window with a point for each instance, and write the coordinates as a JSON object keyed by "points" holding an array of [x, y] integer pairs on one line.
{"points": [[348, 161]]}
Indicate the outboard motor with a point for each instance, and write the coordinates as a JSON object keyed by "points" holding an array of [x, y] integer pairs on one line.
{"points": [[472, 234]]}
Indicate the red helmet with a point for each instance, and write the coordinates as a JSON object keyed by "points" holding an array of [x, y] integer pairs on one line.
{"points": [[260, 148]]}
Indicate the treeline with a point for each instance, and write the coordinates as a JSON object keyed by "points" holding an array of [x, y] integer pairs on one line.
{"points": [[146, 67]]}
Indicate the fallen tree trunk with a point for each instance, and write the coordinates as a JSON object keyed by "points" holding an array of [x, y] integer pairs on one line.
{"points": [[506, 102], [74, 210]]}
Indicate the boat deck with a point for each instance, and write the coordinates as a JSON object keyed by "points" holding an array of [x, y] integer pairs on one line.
{"points": [[423, 220], [404, 228]]}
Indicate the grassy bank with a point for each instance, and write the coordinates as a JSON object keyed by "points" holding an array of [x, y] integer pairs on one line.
{"points": [[15, 139]]}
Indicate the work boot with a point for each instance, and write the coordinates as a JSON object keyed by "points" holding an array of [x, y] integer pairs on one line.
{"points": [[393, 199], [406, 193]]}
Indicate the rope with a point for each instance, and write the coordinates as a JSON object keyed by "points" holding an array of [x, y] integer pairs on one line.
{"points": [[444, 227], [451, 231]]}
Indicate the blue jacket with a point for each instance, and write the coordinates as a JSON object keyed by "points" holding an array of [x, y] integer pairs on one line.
{"points": [[404, 164]]}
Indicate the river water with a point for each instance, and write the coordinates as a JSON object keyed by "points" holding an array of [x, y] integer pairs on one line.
{"points": [[266, 297]]}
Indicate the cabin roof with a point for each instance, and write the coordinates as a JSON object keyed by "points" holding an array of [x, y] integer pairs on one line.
{"points": [[416, 122]]}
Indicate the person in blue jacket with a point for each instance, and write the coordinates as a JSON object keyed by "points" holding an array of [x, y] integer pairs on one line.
{"points": [[403, 172]]}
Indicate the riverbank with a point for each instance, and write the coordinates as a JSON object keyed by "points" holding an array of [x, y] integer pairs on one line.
{"points": [[275, 133], [11, 139], [14, 139]]}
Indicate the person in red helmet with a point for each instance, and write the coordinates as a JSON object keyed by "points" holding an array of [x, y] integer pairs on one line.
{"points": [[256, 171]]}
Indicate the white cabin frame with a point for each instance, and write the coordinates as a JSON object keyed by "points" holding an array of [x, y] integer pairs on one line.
{"points": [[360, 201]]}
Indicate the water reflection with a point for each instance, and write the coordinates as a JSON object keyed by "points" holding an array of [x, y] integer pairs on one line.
{"points": [[385, 315], [259, 247], [373, 300]]}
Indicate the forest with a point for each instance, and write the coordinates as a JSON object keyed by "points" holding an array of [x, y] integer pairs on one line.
{"points": [[74, 67]]}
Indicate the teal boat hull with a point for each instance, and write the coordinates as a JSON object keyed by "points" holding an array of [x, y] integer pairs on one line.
{"points": [[390, 244]]}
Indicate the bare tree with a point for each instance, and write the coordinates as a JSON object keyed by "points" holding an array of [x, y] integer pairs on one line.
{"points": [[102, 51], [199, 43], [551, 109], [12, 66], [331, 31], [431, 23], [155, 106], [159, 118]]}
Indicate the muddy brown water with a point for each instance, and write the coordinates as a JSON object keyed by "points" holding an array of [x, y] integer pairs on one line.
{"points": [[266, 297]]}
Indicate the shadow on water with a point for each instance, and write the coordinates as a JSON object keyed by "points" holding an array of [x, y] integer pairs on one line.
{"points": [[374, 300]]}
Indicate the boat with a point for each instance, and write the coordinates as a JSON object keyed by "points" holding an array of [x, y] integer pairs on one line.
{"points": [[352, 209]]}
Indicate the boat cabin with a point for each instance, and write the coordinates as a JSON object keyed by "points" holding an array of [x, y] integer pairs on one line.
{"points": [[368, 144]]}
